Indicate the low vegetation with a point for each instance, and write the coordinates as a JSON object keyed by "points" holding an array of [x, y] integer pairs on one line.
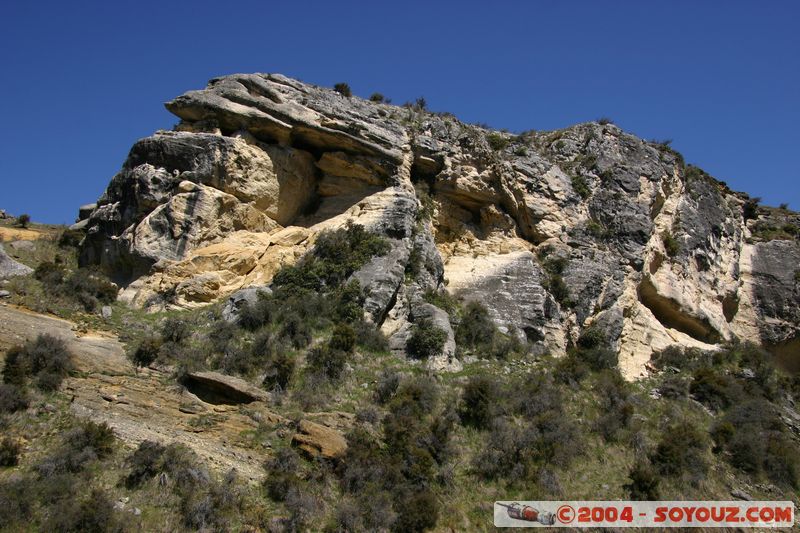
{"points": [[343, 89], [581, 186], [497, 141], [671, 244]]}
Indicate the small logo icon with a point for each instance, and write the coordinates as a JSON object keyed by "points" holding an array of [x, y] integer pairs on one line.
{"points": [[528, 513], [566, 514]]}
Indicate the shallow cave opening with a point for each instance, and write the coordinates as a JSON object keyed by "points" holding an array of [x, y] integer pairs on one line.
{"points": [[787, 354], [214, 392], [669, 313]]}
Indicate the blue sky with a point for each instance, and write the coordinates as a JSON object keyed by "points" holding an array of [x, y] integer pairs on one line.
{"points": [[81, 81]]}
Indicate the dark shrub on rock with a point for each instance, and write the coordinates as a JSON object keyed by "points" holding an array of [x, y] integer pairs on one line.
{"points": [[426, 340], [146, 351]]}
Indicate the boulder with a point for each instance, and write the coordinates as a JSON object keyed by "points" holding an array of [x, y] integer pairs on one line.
{"points": [[316, 440], [10, 268], [240, 298]]}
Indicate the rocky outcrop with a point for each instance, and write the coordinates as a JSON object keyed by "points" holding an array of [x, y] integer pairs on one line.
{"points": [[316, 440], [553, 231]]}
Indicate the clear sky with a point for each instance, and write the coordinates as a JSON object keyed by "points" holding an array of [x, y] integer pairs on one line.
{"points": [[81, 81]]}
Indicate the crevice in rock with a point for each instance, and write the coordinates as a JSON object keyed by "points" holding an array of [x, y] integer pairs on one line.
{"points": [[669, 313], [655, 264], [730, 306], [215, 392]]}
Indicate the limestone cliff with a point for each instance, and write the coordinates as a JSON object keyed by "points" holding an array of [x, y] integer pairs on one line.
{"points": [[553, 231]]}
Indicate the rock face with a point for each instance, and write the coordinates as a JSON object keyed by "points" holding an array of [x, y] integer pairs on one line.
{"points": [[553, 231], [10, 268], [316, 440]]}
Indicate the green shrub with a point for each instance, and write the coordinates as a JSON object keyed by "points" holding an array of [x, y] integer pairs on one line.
{"points": [[335, 256], [23, 220], [253, 316], [604, 120], [220, 335], [348, 302], [386, 387], [9, 452], [144, 463], [674, 386], [415, 397], [420, 511], [443, 300], [592, 349], [94, 514], [46, 359], [146, 351], [597, 230], [175, 330], [715, 389], [750, 208], [570, 370], [81, 287], [343, 89], [480, 401], [581, 186], [536, 393], [644, 483], [671, 245], [70, 238], [377, 97], [17, 503], [88, 442], [296, 330], [476, 330], [89, 289], [426, 340], [615, 404], [343, 338], [496, 141], [280, 370], [517, 453], [213, 508], [755, 440], [12, 398], [282, 474], [327, 361], [555, 267], [682, 452], [369, 338], [183, 469]]}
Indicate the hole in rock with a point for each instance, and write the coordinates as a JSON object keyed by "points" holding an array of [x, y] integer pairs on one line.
{"points": [[216, 393], [670, 314]]}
